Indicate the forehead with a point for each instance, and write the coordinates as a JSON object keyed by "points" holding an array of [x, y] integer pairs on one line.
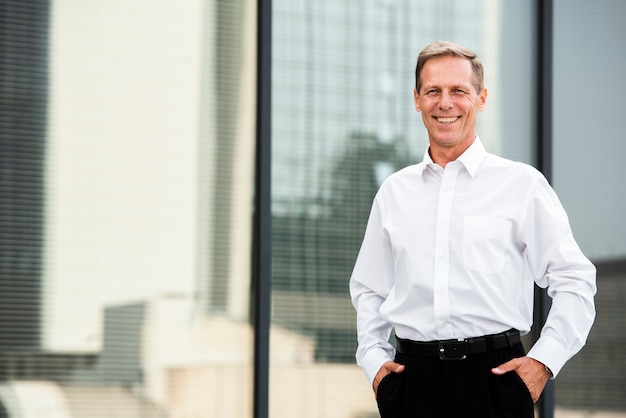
{"points": [[447, 71]]}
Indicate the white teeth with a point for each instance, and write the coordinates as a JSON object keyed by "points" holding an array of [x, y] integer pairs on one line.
{"points": [[447, 120]]}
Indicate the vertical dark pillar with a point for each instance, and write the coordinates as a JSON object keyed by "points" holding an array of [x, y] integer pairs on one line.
{"points": [[544, 158], [262, 251], [23, 117]]}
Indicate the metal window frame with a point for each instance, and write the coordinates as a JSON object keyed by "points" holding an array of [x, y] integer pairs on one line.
{"points": [[262, 222], [545, 24]]}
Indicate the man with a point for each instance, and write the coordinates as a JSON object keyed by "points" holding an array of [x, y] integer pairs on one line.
{"points": [[451, 250]]}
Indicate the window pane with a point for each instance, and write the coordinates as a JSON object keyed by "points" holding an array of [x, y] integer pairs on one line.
{"points": [[127, 150], [344, 119], [589, 67]]}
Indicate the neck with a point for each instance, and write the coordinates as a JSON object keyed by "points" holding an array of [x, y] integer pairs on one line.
{"points": [[442, 155]]}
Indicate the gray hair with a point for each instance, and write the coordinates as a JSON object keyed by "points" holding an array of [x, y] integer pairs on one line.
{"points": [[448, 49]]}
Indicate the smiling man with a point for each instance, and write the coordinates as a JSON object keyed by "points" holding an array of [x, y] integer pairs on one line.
{"points": [[451, 252]]}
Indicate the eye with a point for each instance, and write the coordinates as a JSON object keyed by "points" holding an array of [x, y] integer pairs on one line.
{"points": [[431, 92]]}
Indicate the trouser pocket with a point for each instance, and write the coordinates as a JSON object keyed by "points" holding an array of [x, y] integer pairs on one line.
{"points": [[388, 396]]}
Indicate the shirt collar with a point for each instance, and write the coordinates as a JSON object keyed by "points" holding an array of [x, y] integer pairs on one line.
{"points": [[471, 158]]}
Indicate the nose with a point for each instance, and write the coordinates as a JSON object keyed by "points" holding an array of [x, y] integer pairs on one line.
{"points": [[445, 101]]}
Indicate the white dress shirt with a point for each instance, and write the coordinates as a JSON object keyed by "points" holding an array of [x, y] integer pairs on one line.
{"points": [[453, 253]]}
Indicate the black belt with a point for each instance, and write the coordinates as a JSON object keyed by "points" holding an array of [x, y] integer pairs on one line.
{"points": [[459, 349]]}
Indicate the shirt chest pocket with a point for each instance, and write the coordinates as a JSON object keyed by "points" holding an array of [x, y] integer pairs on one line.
{"points": [[485, 241]]}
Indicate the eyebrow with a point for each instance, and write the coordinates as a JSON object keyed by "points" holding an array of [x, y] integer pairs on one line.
{"points": [[454, 86]]}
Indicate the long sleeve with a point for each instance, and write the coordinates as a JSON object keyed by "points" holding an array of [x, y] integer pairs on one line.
{"points": [[370, 284], [557, 263]]}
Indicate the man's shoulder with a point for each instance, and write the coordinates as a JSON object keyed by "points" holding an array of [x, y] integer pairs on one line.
{"points": [[403, 174], [507, 166]]}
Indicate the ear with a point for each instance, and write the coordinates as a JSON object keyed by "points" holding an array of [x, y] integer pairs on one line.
{"points": [[482, 100], [416, 100]]}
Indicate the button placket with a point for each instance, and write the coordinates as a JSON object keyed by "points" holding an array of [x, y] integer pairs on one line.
{"points": [[442, 251]]}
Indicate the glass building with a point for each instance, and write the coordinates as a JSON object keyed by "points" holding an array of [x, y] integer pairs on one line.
{"points": [[129, 161]]}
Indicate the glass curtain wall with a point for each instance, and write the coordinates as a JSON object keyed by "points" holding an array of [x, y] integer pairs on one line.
{"points": [[126, 192], [588, 173], [343, 119]]}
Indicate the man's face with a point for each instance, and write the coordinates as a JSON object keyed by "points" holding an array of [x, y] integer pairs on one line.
{"points": [[449, 102]]}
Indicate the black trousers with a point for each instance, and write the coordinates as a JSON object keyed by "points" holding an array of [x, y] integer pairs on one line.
{"points": [[432, 388]]}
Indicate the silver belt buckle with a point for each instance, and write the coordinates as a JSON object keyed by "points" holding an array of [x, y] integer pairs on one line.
{"points": [[453, 350]]}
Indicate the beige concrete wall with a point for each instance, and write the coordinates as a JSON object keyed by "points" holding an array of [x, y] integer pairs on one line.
{"points": [[210, 391], [304, 391]]}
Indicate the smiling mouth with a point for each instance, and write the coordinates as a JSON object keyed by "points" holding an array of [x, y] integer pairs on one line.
{"points": [[447, 120]]}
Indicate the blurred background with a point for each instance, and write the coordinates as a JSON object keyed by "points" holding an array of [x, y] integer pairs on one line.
{"points": [[127, 190]]}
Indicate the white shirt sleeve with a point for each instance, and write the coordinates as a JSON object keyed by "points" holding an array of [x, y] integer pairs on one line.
{"points": [[370, 284], [557, 263]]}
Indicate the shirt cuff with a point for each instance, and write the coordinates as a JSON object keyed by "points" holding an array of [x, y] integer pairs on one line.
{"points": [[551, 353], [373, 361]]}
